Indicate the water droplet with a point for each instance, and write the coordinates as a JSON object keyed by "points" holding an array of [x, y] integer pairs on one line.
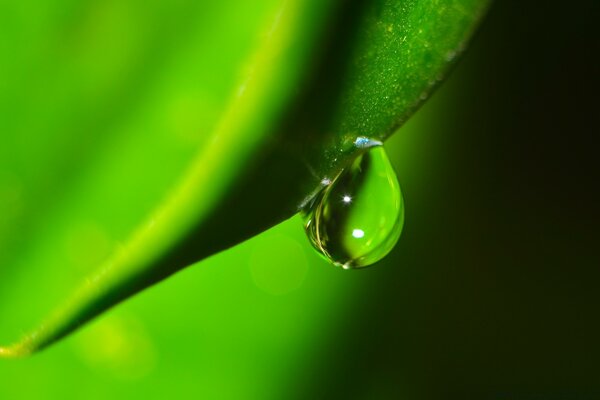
{"points": [[357, 219]]}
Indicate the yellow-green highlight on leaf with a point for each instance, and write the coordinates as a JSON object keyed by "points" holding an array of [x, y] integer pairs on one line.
{"points": [[326, 72]]}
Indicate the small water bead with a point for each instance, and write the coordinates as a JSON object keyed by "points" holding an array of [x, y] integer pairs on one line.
{"points": [[357, 219]]}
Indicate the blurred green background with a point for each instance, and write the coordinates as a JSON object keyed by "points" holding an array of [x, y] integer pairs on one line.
{"points": [[492, 291]]}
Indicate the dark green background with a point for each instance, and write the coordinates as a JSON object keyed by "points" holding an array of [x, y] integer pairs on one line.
{"points": [[492, 291]]}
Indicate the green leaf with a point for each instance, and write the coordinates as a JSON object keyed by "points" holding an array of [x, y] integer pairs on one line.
{"points": [[323, 73]]}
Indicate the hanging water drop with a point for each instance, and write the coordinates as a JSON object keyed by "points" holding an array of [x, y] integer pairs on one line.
{"points": [[357, 218]]}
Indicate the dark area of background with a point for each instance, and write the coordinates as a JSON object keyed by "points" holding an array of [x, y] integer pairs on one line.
{"points": [[495, 292]]}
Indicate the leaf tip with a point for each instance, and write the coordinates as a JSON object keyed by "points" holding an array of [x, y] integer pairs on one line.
{"points": [[14, 351]]}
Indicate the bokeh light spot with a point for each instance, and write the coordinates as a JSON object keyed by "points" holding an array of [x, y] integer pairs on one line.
{"points": [[278, 264]]}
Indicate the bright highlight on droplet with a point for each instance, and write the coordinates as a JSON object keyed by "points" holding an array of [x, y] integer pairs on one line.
{"points": [[358, 233], [371, 209], [363, 142]]}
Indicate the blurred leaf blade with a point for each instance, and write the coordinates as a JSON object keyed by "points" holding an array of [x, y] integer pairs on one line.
{"points": [[242, 151], [246, 120]]}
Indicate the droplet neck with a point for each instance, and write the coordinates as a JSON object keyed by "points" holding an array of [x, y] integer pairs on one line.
{"points": [[348, 151]]}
